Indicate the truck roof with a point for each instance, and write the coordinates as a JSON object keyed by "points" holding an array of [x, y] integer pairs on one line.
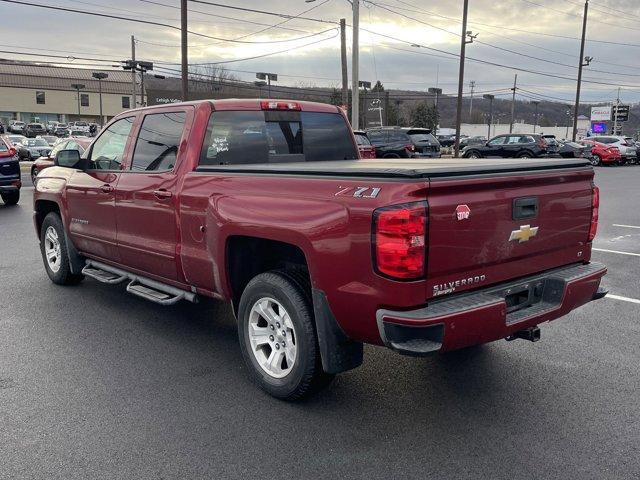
{"points": [[250, 104], [403, 168]]}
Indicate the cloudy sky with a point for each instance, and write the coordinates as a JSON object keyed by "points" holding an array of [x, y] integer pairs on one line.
{"points": [[409, 44]]}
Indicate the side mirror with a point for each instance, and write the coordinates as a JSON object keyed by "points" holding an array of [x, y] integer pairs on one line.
{"points": [[67, 158]]}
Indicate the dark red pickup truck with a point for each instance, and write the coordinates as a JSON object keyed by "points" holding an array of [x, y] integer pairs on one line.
{"points": [[266, 204]]}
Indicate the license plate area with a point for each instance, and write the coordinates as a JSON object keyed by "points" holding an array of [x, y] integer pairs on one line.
{"points": [[523, 296]]}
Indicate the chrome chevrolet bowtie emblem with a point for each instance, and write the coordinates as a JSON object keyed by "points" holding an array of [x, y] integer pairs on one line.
{"points": [[523, 234]]}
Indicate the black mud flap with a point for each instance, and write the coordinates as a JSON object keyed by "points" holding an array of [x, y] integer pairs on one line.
{"points": [[338, 352]]}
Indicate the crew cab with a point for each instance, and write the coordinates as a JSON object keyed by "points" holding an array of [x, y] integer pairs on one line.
{"points": [[267, 205]]}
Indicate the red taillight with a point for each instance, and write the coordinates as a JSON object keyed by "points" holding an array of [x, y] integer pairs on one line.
{"points": [[272, 105], [542, 143], [595, 207], [13, 152], [399, 237], [410, 148]]}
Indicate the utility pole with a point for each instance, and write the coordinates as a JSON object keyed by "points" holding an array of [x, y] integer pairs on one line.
{"points": [[133, 71], [513, 103], [184, 50], [343, 60], [490, 98], [463, 45], [355, 67], [535, 116], [472, 84], [584, 61]]}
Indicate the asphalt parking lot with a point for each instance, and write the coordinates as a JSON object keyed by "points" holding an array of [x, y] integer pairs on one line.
{"points": [[95, 383]]}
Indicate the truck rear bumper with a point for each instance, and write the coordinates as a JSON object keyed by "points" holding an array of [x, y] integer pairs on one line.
{"points": [[492, 313]]}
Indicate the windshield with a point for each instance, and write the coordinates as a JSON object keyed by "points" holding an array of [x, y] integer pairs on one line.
{"points": [[422, 137], [81, 124]]}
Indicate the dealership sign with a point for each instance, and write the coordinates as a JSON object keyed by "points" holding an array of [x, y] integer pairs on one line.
{"points": [[600, 114]]}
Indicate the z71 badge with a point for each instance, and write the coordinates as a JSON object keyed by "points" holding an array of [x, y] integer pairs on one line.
{"points": [[359, 192]]}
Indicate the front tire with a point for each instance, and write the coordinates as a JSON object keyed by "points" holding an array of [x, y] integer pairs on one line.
{"points": [[596, 160], [473, 154], [53, 246], [34, 175], [11, 198], [278, 337]]}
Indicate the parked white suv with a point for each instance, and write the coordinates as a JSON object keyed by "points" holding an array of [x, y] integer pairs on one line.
{"points": [[627, 147]]}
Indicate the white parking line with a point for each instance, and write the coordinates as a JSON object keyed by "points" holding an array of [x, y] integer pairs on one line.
{"points": [[616, 251], [626, 226], [624, 299]]}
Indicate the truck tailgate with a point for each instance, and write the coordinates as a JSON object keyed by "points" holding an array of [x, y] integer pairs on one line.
{"points": [[485, 230]]}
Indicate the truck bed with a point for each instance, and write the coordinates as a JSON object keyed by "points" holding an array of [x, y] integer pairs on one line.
{"points": [[403, 168]]}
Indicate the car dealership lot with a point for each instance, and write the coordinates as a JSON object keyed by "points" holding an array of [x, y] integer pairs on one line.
{"points": [[95, 383]]}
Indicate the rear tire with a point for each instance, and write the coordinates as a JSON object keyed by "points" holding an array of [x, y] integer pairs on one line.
{"points": [[473, 154], [596, 160], [278, 337], [525, 155], [11, 198], [34, 175], [53, 246]]}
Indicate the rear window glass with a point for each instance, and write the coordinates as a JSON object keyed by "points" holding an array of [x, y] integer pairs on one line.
{"points": [[398, 137], [237, 137], [423, 137], [377, 137], [3, 147]]}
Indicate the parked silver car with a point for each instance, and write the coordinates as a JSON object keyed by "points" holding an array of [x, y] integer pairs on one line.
{"points": [[626, 145]]}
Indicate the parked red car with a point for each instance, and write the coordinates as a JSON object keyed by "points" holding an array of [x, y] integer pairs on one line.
{"points": [[267, 205], [364, 145], [602, 154], [72, 143]]}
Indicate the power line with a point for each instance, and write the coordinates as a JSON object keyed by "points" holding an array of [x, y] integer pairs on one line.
{"points": [[209, 14], [149, 22], [263, 12]]}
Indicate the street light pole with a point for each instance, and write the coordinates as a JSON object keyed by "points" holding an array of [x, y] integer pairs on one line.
{"points": [[535, 124], [268, 77], [100, 76], [78, 87]]}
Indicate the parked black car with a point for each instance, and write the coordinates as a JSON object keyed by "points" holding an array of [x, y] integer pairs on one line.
{"points": [[33, 148], [9, 173], [446, 140], [512, 146], [573, 150], [32, 130], [468, 141], [401, 142]]}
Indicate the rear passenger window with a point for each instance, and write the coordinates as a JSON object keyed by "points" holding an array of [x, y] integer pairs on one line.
{"points": [[158, 142], [237, 137]]}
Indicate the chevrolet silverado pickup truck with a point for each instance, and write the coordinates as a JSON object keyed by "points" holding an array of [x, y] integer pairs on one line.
{"points": [[267, 205]]}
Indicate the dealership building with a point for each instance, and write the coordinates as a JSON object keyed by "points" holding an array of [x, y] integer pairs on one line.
{"points": [[35, 93]]}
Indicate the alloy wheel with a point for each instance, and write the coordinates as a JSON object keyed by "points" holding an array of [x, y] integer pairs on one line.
{"points": [[52, 249], [272, 337]]}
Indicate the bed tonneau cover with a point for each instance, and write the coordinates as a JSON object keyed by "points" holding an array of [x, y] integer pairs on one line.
{"points": [[403, 168]]}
